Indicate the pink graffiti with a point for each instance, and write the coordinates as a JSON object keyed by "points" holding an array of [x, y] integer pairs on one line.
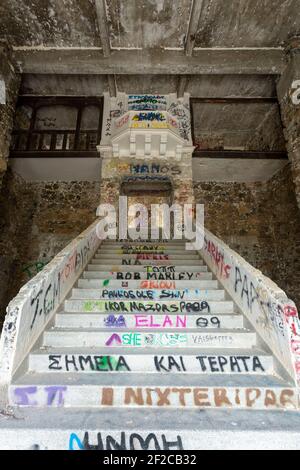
{"points": [[149, 321], [113, 338], [152, 256], [290, 311]]}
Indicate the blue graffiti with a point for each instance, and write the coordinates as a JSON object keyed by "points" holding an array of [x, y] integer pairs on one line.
{"points": [[74, 439], [149, 117]]}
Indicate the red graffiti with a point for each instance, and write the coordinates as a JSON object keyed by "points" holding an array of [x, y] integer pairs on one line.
{"points": [[218, 257], [290, 311]]}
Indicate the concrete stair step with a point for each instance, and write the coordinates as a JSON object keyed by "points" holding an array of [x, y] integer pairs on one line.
{"points": [[154, 339], [148, 256], [146, 284], [146, 250], [143, 275], [146, 262], [141, 243], [146, 321], [147, 268], [141, 306], [159, 429], [147, 294], [150, 391], [203, 362]]}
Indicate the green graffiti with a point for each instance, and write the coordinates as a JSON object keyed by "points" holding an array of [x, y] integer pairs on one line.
{"points": [[106, 282], [108, 363], [91, 305]]}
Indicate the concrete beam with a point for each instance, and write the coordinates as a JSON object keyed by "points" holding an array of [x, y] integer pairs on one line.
{"points": [[193, 26], [152, 62]]}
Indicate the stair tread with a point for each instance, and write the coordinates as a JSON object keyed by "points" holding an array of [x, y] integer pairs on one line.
{"points": [[112, 330]]}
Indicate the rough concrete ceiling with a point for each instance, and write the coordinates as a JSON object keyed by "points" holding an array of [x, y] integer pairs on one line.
{"points": [[59, 23], [247, 23], [148, 23]]}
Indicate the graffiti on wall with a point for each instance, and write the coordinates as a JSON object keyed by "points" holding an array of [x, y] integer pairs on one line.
{"points": [[34, 268], [275, 317], [182, 115]]}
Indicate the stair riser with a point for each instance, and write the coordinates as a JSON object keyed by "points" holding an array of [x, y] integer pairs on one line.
{"points": [[151, 364], [151, 307], [153, 340], [126, 275], [146, 262], [147, 294], [115, 284], [146, 268], [69, 320], [139, 243], [93, 396], [136, 251]]}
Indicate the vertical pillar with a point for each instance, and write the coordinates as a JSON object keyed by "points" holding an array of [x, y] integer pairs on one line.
{"points": [[10, 83], [288, 92]]}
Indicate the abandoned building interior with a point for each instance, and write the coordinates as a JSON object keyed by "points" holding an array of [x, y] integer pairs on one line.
{"points": [[163, 101]]}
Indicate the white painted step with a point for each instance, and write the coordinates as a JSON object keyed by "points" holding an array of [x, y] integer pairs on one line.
{"points": [[133, 306], [146, 321], [141, 244], [150, 391], [147, 294], [147, 284], [147, 268], [203, 362], [143, 275], [146, 262], [149, 250], [159, 429], [148, 256], [153, 339]]}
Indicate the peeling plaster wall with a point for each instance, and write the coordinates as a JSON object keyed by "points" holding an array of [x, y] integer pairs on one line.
{"points": [[261, 221]]}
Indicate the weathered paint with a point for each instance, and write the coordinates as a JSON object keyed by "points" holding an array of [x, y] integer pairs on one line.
{"points": [[272, 314]]}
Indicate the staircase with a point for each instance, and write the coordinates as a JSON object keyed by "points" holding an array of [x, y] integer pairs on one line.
{"points": [[147, 325]]}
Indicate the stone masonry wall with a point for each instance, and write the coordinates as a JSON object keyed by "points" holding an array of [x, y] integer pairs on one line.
{"points": [[37, 220], [261, 221]]}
